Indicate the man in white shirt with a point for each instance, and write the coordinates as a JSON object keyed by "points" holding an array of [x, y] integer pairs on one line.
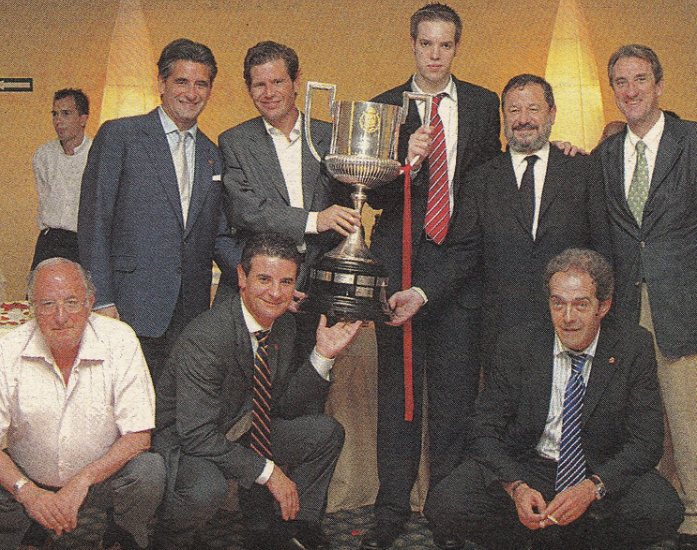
{"points": [[234, 404], [649, 174], [76, 410], [567, 433], [58, 167]]}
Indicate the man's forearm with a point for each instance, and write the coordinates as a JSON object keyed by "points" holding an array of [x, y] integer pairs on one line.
{"points": [[9, 473], [125, 448]]}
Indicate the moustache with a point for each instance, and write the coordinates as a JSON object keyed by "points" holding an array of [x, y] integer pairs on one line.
{"points": [[527, 126]]}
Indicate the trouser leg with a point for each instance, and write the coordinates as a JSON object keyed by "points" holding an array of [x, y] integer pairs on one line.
{"points": [[14, 521]]}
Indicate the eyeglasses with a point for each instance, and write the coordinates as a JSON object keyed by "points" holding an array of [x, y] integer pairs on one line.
{"points": [[51, 307]]}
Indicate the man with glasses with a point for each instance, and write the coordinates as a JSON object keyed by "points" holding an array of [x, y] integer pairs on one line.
{"points": [[76, 409], [58, 167]]}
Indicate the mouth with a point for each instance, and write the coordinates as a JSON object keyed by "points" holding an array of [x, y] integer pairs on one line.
{"points": [[525, 127]]}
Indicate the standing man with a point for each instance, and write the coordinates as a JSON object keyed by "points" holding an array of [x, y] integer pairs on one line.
{"points": [[446, 342], [234, 404], [151, 219], [58, 167], [517, 212], [568, 432], [650, 174], [274, 182], [76, 409]]}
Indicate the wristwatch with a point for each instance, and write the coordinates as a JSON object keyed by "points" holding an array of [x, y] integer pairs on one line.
{"points": [[21, 482], [600, 490]]}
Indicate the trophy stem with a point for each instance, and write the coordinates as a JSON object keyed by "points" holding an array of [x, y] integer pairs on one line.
{"points": [[354, 246]]}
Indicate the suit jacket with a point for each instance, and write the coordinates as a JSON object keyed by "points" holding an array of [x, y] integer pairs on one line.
{"points": [[208, 384], [259, 198], [488, 224], [622, 423], [663, 251], [131, 230], [478, 141]]}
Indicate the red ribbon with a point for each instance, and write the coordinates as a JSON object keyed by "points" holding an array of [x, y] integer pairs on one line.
{"points": [[406, 283]]}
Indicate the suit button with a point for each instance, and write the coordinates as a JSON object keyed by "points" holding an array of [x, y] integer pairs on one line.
{"points": [[638, 283], [179, 270], [642, 244]]}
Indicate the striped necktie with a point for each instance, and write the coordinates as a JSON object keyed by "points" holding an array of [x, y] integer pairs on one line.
{"points": [[261, 419], [438, 205], [571, 468]]}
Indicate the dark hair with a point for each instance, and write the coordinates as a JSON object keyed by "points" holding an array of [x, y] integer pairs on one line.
{"points": [[436, 12], [523, 80], [184, 49], [265, 52], [583, 261], [269, 244], [84, 275], [636, 50], [82, 103]]}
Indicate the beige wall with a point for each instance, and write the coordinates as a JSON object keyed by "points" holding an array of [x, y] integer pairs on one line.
{"points": [[360, 46]]}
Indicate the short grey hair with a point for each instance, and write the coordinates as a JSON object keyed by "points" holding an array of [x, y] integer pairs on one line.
{"points": [[85, 276], [583, 261]]}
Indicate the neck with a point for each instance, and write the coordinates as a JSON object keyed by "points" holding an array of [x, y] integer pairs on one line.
{"points": [[641, 128], [70, 144], [286, 125], [431, 87], [65, 361]]}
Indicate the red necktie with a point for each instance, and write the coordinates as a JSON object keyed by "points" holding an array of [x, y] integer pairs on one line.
{"points": [[261, 420], [438, 205]]}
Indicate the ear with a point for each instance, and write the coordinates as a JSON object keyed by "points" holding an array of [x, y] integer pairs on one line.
{"points": [[241, 277], [160, 85], [604, 307], [553, 113]]}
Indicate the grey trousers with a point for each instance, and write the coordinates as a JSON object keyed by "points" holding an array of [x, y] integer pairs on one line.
{"points": [[134, 493]]}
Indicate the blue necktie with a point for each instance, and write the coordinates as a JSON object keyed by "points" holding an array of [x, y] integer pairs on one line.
{"points": [[261, 420], [571, 468]]}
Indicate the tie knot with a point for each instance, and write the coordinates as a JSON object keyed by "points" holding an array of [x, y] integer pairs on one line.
{"points": [[435, 102], [262, 335], [578, 360], [640, 147], [531, 159]]}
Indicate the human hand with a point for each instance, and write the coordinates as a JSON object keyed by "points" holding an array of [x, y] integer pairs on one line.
{"points": [[569, 149], [330, 341], [70, 498], [43, 506], [298, 297], [342, 219], [531, 507], [404, 305], [420, 143], [571, 503], [285, 492]]}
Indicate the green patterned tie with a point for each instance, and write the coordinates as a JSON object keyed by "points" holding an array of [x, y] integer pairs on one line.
{"points": [[639, 187]]}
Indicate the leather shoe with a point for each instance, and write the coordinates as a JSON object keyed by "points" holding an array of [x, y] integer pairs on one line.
{"points": [[687, 542], [445, 540], [310, 537], [381, 536]]}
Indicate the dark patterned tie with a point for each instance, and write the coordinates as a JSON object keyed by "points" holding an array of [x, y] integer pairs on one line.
{"points": [[438, 205], [571, 468], [639, 186], [261, 420], [527, 192]]}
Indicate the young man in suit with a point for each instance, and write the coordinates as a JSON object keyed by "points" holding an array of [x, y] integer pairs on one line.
{"points": [[150, 221], [515, 213], [649, 173], [470, 119], [568, 432], [217, 421]]}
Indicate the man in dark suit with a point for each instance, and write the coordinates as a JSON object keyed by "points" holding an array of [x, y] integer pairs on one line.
{"points": [[150, 220], [515, 213], [568, 431], [215, 421], [650, 173], [274, 182], [470, 119]]}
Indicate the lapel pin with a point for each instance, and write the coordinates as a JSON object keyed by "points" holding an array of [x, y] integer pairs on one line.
{"points": [[210, 161], [611, 360], [275, 346]]}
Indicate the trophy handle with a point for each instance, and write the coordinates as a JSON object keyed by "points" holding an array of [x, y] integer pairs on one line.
{"points": [[331, 88], [406, 96]]}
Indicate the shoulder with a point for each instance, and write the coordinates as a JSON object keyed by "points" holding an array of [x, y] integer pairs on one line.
{"points": [[112, 331], [49, 148], [631, 338], [13, 343], [679, 128], [394, 95], [124, 127], [251, 126], [473, 92], [500, 161]]}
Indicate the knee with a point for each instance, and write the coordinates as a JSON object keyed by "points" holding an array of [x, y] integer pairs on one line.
{"points": [[330, 434], [144, 475]]}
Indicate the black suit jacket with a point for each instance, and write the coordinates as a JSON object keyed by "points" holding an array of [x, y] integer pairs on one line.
{"points": [[478, 141], [488, 224], [622, 433], [663, 251], [257, 190], [208, 384]]}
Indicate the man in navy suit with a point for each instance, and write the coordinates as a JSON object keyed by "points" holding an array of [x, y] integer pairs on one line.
{"points": [[649, 172], [150, 221], [568, 432]]}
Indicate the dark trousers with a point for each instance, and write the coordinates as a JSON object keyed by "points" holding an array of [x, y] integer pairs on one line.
{"points": [[446, 355], [307, 448], [469, 505], [55, 243]]}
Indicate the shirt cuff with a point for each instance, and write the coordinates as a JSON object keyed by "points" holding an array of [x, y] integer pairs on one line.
{"points": [[311, 224], [323, 365], [420, 293], [265, 473]]}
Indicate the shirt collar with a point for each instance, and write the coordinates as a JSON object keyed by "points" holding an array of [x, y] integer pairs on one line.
{"points": [[84, 145], [519, 158], [652, 138], [169, 125], [294, 133], [449, 89], [249, 320], [91, 347], [561, 349]]}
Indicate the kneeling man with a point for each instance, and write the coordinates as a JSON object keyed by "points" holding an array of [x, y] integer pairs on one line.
{"points": [[232, 404], [568, 431], [76, 409]]}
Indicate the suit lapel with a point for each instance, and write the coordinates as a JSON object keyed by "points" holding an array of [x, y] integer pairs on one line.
{"points": [[203, 179], [511, 192], [602, 370], [311, 168], [244, 356], [613, 172], [464, 115], [540, 380], [264, 152], [553, 183], [669, 151]]}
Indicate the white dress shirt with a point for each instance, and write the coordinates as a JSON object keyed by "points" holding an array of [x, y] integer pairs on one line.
{"points": [[172, 133], [652, 139]]}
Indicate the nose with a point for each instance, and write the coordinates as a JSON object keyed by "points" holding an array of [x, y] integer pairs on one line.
{"points": [[275, 289], [569, 313], [61, 313]]}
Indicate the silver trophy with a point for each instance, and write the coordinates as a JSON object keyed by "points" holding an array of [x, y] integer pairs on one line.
{"points": [[348, 283]]}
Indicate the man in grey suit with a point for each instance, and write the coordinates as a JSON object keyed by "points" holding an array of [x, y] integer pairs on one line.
{"points": [[274, 182], [568, 431], [150, 220], [216, 420], [650, 175]]}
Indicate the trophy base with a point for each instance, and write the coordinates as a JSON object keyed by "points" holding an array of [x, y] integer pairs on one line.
{"points": [[348, 289]]}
